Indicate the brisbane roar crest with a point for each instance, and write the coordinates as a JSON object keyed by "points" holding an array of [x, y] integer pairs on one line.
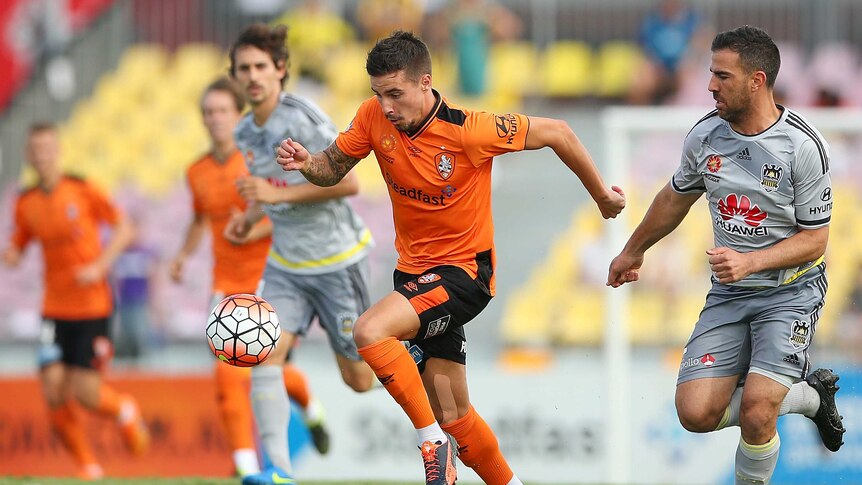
{"points": [[445, 163]]}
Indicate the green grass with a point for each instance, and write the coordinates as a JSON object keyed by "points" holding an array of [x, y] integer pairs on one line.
{"points": [[165, 481], [171, 481], [175, 481]]}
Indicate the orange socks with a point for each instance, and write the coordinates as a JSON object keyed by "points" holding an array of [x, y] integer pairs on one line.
{"points": [[296, 385], [67, 424], [110, 401], [397, 371], [232, 392], [478, 448]]}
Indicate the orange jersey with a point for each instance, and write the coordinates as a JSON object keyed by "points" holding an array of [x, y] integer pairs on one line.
{"points": [[236, 268], [439, 179], [66, 223]]}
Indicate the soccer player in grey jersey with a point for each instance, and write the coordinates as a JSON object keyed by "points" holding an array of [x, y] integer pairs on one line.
{"points": [[765, 173], [317, 265]]}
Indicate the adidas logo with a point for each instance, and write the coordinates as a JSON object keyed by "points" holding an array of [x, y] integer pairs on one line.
{"points": [[791, 358], [744, 154]]}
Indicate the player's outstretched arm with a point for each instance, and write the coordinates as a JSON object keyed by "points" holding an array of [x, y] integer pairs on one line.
{"points": [[194, 235], [12, 256], [556, 134], [257, 189], [665, 213], [324, 168], [122, 237]]}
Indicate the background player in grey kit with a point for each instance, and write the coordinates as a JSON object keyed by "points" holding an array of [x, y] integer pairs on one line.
{"points": [[765, 173], [317, 265]]}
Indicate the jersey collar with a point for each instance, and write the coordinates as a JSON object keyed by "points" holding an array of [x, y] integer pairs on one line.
{"points": [[755, 136], [428, 119]]}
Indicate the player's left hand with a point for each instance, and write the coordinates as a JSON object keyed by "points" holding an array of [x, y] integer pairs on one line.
{"points": [[90, 274], [612, 203], [256, 189], [729, 266]]}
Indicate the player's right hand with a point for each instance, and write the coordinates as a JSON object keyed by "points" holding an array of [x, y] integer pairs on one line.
{"points": [[624, 269], [175, 270], [237, 228], [11, 256], [91, 273], [613, 203], [291, 155]]}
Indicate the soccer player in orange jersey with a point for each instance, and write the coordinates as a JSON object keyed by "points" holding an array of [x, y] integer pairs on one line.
{"points": [[436, 159], [64, 214], [237, 268]]}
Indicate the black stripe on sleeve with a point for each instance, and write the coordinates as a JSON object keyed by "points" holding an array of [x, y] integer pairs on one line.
{"points": [[818, 222], [690, 189], [797, 123]]}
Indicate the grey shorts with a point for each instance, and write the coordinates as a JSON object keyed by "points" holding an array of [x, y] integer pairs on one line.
{"points": [[336, 299], [765, 330]]}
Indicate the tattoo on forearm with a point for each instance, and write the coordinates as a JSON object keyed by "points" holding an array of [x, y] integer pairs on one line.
{"points": [[328, 167]]}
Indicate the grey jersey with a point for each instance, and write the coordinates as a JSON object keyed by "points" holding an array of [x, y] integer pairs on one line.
{"points": [[307, 238], [762, 188]]}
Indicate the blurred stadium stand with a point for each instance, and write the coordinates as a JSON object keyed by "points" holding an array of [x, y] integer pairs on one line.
{"points": [[133, 126], [561, 301]]}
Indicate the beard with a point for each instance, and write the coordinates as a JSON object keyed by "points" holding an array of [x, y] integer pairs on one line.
{"points": [[404, 126], [735, 109]]}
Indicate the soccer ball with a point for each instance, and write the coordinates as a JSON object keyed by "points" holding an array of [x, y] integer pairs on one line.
{"points": [[242, 330]]}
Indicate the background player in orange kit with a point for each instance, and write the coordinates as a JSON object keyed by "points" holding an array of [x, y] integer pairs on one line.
{"points": [[65, 214], [436, 159], [237, 268]]}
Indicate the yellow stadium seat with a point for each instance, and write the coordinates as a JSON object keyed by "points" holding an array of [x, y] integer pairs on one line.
{"points": [[513, 69], [566, 69], [526, 319], [616, 65], [193, 67], [198, 55], [345, 73], [444, 72], [647, 318], [685, 313], [142, 67], [581, 318]]}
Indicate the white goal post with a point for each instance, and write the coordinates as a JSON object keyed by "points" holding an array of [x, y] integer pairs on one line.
{"points": [[620, 125]]}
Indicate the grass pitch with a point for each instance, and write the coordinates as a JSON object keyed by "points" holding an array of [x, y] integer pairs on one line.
{"points": [[164, 481], [190, 481], [179, 481]]}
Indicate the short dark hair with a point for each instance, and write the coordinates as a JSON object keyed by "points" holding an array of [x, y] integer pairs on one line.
{"points": [[225, 85], [757, 51], [400, 51], [40, 126], [272, 40]]}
